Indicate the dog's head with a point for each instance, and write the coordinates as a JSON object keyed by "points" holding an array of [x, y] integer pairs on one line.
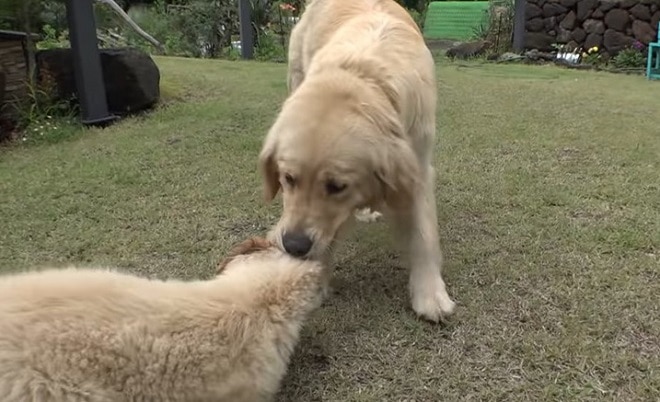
{"points": [[336, 146]]}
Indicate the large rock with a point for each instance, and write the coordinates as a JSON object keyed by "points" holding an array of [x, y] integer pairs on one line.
{"points": [[615, 41], [593, 39], [643, 31], [584, 8], [628, 3], [532, 11], [579, 35], [534, 25], [594, 26], [641, 12], [655, 19], [553, 9], [131, 78], [607, 5], [539, 40], [550, 23], [563, 35], [617, 19], [598, 14], [569, 21], [568, 3]]}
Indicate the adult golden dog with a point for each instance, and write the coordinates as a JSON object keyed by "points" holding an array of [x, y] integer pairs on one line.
{"points": [[96, 335], [358, 131]]}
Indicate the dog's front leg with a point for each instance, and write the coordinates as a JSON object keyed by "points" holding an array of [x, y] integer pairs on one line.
{"points": [[418, 231]]}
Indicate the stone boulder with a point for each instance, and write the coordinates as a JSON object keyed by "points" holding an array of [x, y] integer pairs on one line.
{"points": [[594, 26], [628, 3], [607, 5], [615, 41], [131, 78], [593, 39], [655, 19], [641, 12], [617, 19], [569, 21], [532, 10], [584, 8], [534, 25], [553, 9], [579, 34], [643, 31], [539, 40]]}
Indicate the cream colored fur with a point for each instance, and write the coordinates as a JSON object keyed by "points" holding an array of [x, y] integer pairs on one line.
{"points": [[360, 117], [97, 335]]}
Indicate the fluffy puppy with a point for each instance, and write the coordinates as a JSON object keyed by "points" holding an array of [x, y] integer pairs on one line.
{"points": [[357, 133], [97, 335]]}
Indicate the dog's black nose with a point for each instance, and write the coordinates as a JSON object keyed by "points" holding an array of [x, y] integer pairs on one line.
{"points": [[296, 243]]}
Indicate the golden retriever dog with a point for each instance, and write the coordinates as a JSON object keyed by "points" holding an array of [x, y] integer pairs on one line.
{"points": [[97, 335], [357, 134]]}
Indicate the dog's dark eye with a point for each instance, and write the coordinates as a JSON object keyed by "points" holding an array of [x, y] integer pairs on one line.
{"points": [[289, 179], [333, 187]]}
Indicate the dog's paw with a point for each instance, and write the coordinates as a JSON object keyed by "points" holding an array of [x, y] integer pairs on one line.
{"points": [[367, 215], [431, 301]]}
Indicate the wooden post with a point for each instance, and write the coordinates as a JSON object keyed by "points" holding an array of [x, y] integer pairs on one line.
{"points": [[519, 26], [87, 69], [245, 20]]}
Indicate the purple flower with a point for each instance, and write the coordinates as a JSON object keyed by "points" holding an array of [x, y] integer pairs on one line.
{"points": [[638, 45]]}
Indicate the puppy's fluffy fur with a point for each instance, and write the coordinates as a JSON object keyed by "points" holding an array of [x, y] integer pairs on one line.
{"points": [[101, 336], [357, 132]]}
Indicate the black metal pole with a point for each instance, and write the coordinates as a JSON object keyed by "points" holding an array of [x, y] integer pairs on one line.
{"points": [[87, 68], [245, 19], [519, 25]]}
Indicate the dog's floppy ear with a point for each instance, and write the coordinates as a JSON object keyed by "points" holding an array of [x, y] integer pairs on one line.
{"points": [[397, 169], [270, 175]]}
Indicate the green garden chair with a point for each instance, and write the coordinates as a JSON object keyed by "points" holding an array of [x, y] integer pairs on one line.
{"points": [[653, 60]]}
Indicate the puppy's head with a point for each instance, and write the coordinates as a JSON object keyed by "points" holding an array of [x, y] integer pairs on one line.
{"points": [[336, 146], [243, 251]]}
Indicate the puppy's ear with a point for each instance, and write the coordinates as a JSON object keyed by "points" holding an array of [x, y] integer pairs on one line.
{"points": [[398, 171], [270, 175], [249, 246]]}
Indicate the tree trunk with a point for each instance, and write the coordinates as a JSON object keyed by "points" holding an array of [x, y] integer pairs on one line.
{"points": [[117, 9]]}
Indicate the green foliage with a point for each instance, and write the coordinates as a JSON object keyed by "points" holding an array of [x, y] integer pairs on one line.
{"points": [[632, 57], [41, 115], [51, 39], [418, 17], [497, 25], [270, 48]]}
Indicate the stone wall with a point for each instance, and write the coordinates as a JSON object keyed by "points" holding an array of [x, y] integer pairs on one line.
{"points": [[13, 65], [612, 25]]}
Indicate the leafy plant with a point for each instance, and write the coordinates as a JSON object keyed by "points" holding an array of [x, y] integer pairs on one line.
{"points": [[50, 39], [41, 103], [418, 17], [496, 26], [631, 57]]}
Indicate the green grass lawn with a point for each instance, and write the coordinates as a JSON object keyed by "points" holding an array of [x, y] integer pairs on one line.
{"points": [[549, 210]]}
